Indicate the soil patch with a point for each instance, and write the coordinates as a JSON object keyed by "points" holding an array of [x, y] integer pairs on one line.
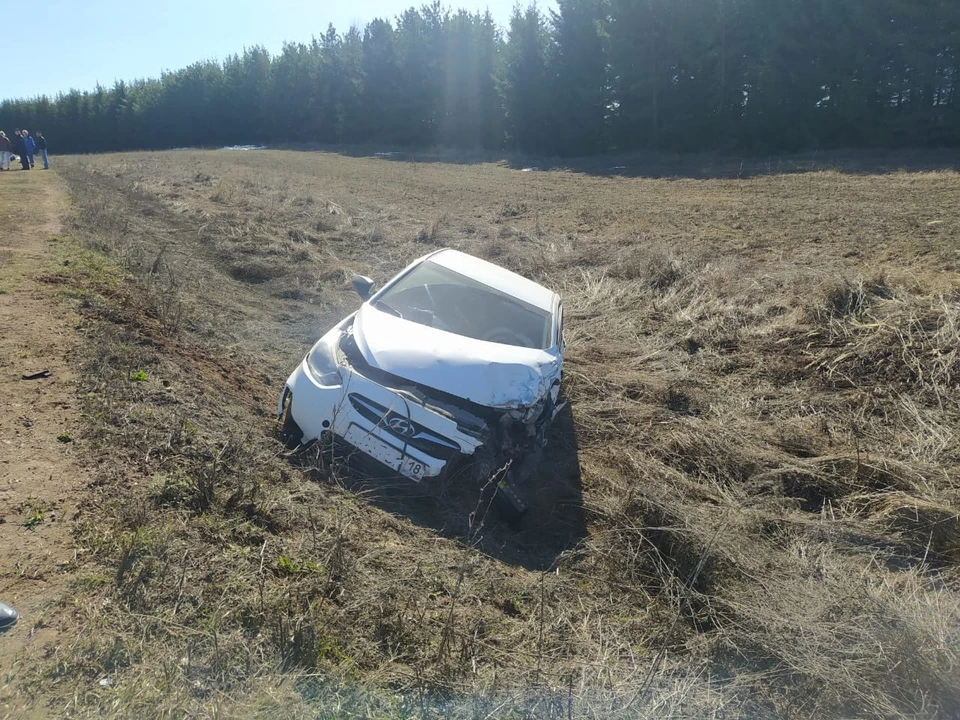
{"points": [[42, 483]]}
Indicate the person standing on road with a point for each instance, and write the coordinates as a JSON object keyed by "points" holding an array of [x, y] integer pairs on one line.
{"points": [[30, 145], [42, 147], [20, 148], [6, 147]]}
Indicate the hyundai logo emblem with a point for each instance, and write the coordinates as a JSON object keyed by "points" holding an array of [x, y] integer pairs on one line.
{"points": [[401, 426]]}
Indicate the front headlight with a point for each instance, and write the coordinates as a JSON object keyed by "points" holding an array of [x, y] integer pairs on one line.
{"points": [[322, 361]]}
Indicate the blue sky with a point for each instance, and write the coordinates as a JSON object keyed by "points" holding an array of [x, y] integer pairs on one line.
{"points": [[53, 45]]}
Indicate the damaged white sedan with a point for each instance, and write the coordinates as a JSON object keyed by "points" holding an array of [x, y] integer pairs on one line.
{"points": [[454, 366]]}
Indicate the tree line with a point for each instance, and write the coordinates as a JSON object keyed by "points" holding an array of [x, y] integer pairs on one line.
{"points": [[592, 76]]}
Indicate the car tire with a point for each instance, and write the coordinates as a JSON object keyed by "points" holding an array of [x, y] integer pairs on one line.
{"points": [[290, 433]]}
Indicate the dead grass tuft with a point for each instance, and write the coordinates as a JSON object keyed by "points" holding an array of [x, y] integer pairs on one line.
{"points": [[931, 527]]}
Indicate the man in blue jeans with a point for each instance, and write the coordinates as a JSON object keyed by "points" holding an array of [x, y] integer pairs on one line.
{"points": [[30, 145], [42, 147]]}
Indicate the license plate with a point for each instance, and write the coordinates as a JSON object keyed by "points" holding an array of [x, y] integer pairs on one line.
{"points": [[391, 457], [412, 469]]}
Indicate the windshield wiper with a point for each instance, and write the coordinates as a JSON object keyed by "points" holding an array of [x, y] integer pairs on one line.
{"points": [[380, 304]]}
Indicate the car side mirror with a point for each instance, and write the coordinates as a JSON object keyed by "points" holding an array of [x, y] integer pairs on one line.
{"points": [[364, 286]]}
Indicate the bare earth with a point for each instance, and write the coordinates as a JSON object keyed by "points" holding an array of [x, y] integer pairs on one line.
{"points": [[40, 481]]}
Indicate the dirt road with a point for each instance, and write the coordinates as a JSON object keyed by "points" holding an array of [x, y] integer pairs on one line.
{"points": [[40, 480]]}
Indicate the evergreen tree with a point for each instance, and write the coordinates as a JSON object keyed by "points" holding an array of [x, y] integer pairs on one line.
{"points": [[523, 82], [639, 70], [297, 101], [472, 110], [755, 75], [421, 53], [579, 81], [380, 114]]}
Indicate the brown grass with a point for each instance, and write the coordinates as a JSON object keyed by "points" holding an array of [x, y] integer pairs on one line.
{"points": [[757, 510]]}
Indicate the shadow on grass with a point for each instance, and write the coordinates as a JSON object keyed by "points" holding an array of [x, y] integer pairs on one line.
{"points": [[699, 166], [463, 509]]}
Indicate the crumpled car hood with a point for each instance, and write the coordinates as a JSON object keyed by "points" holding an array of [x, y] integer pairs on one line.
{"points": [[489, 374]]}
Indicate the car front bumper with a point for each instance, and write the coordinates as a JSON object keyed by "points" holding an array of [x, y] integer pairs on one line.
{"points": [[394, 430]]}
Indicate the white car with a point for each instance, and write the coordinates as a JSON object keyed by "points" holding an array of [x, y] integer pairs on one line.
{"points": [[453, 366]]}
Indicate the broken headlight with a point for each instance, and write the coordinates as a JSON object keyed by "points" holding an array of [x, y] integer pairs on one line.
{"points": [[323, 363]]}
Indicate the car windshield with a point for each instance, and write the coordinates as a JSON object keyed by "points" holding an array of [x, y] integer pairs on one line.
{"points": [[435, 296]]}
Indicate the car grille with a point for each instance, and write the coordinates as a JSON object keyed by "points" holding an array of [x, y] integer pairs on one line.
{"points": [[405, 430]]}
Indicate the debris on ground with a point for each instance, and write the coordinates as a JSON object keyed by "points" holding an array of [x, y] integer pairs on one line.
{"points": [[8, 616]]}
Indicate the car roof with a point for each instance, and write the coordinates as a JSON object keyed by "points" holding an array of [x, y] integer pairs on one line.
{"points": [[496, 277]]}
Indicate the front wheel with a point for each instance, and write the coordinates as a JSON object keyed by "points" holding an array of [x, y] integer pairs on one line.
{"points": [[290, 433]]}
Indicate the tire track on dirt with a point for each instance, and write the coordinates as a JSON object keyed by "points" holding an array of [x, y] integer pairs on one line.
{"points": [[41, 482]]}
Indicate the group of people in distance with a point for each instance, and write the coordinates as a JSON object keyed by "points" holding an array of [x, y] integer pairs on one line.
{"points": [[22, 146]]}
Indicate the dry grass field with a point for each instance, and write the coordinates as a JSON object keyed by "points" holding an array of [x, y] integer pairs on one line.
{"points": [[751, 510]]}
